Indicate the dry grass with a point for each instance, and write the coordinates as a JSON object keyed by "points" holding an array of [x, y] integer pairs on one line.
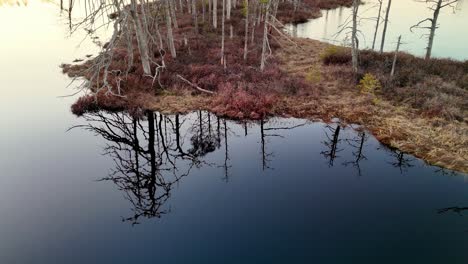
{"points": [[438, 141], [302, 87]]}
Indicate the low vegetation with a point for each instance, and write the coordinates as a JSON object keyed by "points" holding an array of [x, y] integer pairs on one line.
{"points": [[420, 110]]}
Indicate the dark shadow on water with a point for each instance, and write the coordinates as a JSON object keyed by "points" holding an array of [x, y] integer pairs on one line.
{"points": [[153, 154]]}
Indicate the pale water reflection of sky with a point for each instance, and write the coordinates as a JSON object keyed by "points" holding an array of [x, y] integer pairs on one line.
{"points": [[451, 37]]}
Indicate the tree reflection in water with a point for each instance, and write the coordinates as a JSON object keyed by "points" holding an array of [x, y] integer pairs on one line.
{"points": [[357, 143], [149, 159], [332, 133], [154, 153]]}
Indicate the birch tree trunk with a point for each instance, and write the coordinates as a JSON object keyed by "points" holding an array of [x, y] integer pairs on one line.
{"points": [[141, 39], [382, 44]]}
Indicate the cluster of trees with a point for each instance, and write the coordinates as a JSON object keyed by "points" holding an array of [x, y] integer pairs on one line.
{"points": [[150, 31], [434, 5], [154, 153]]}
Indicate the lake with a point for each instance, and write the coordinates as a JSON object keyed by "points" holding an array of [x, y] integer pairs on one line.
{"points": [[195, 188], [451, 39]]}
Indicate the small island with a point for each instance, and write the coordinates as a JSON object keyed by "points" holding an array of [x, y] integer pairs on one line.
{"points": [[237, 60]]}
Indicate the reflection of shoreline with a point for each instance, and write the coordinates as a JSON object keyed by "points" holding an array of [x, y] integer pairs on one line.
{"points": [[151, 154], [155, 153]]}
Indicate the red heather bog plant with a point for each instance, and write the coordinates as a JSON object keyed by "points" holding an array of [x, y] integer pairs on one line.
{"points": [[242, 104], [100, 101]]}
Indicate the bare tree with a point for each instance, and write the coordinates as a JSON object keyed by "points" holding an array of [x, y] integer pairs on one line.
{"points": [[384, 33], [141, 38], [215, 13], [377, 24], [354, 38], [223, 59], [246, 40], [266, 44], [170, 37], [436, 6], [395, 57]]}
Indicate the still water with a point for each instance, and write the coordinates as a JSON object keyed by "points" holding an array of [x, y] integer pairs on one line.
{"points": [[451, 37], [108, 188]]}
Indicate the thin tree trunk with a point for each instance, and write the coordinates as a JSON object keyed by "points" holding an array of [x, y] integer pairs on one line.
{"points": [[254, 20], [223, 59], [141, 39], [173, 14], [203, 10], [246, 40], [170, 37], [354, 40], [210, 10], [395, 57], [195, 15], [265, 37], [382, 44], [377, 24], [433, 29], [215, 13]]}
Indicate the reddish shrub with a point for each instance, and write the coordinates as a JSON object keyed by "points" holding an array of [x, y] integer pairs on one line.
{"points": [[242, 104]]}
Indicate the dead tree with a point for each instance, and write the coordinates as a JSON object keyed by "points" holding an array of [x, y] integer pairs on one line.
{"points": [[170, 37], [265, 44], [395, 57], [384, 33], [354, 38], [377, 23], [215, 13], [223, 35], [142, 38], [246, 40], [436, 6]]}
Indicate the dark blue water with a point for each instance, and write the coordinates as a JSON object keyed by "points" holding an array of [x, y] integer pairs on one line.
{"points": [[199, 189], [112, 190]]}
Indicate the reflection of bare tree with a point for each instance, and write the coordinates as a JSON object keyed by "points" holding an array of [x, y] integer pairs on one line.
{"points": [[458, 210], [204, 141], [332, 143], [151, 156], [149, 160], [266, 132], [265, 154], [226, 153], [358, 144], [401, 160]]}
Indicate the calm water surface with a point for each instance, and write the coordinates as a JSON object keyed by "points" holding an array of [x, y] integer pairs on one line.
{"points": [[451, 37], [195, 188]]}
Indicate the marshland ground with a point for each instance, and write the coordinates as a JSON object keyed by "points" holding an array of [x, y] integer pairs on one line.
{"points": [[422, 110]]}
